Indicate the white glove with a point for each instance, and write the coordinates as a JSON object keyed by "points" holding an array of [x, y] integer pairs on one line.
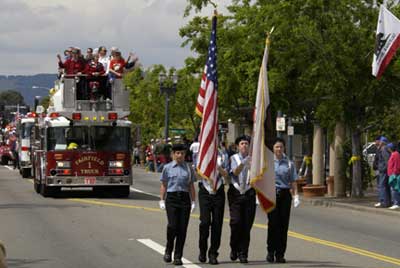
{"points": [[193, 207], [162, 204], [257, 201], [246, 161], [133, 56], [296, 201]]}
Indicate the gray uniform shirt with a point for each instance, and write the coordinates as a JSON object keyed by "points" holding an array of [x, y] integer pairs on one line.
{"points": [[177, 176]]}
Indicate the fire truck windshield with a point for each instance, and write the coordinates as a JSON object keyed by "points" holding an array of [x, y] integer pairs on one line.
{"points": [[108, 138], [99, 138], [58, 138]]}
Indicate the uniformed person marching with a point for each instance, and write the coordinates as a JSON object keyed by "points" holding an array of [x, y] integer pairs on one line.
{"points": [[177, 196], [212, 206], [278, 219], [242, 201]]}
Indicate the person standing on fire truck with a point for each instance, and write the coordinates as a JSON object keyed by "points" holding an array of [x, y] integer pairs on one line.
{"points": [[177, 197]]}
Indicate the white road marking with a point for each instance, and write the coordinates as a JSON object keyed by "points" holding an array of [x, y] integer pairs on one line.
{"points": [[10, 168], [160, 249], [142, 192]]}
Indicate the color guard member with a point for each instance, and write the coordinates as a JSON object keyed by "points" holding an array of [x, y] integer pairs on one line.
{"points": [[177, 196], [212, 206], [242, 201]]}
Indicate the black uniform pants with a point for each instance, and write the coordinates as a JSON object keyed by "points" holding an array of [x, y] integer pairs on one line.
{"points": [[211, 215], [177, 205], [242, 208], [278, 223]]}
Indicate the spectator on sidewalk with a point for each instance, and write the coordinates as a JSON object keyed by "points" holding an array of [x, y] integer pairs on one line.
{"points": [[150, 159], [375, 163], [194, 148], [393, 171], [136, 156], [383, 179]]}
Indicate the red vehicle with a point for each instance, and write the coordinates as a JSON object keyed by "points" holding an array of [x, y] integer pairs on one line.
{"points": [[84, 142], [5, 154]]}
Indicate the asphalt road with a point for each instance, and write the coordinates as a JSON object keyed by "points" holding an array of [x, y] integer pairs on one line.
{"points": [[79, 229]]}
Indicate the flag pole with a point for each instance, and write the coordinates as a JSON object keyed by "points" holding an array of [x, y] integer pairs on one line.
{"points": [[262, 165], [214, 4]]}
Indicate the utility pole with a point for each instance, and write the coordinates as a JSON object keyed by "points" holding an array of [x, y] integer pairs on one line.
{"points": [[290, 133]]}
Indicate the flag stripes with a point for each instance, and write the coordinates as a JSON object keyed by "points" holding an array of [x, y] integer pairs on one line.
{"points": [[207, 108]]}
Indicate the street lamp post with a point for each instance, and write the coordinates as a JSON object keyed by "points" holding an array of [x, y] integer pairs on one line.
{"points": [[167, 89], [36, 102]]}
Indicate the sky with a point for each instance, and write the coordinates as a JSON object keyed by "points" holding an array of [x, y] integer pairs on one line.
{"points": [[33, 32]]}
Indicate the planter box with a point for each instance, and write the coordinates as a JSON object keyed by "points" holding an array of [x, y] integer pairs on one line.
{"points": [[311, 190], [301, 182]]}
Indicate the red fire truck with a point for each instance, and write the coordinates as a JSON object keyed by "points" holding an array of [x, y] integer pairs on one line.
{"points": [[85, 138]]}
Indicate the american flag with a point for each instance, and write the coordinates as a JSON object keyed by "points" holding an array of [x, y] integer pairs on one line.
{"points": [[207, 109]]}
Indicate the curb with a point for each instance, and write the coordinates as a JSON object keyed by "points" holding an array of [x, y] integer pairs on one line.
{"points": [[331, 203]]}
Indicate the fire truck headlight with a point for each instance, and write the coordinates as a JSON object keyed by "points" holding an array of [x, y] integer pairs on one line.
{"points": [[116, 164], [63, 164]]}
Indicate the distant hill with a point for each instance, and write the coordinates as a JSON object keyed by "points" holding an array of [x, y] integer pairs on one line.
{"points": [[24, 83]]}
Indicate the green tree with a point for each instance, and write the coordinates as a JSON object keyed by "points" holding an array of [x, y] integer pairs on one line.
{"points": [[148, 104], [11, 97], [319, 67]]}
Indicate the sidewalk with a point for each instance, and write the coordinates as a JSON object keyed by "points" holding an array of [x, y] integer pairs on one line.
{"points": [[365, 204]]}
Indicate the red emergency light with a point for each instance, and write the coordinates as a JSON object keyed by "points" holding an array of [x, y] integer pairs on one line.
{"points": [[64, 172], [116, 171], [54, 115], [112, 116], [31, 115], [76, 116]]}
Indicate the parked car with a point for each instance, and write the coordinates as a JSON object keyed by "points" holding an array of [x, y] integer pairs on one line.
{"points": [[369, 151], [5, 154]]}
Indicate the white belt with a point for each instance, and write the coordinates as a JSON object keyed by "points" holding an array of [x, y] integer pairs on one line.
{"points": [[242, 191], [209, 189]]}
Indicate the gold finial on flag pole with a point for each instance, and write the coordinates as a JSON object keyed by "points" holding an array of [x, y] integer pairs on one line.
{"points": [[267, 40]]}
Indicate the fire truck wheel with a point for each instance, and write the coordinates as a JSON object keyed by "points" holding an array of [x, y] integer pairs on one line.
{"points": [[36, 186], [25, 172], [49, 191]]}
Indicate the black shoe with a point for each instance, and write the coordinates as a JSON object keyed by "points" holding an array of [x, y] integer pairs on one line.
{"points": [[202, 258], [167, 257], [280, 260], [178, 262], [243, 259], [234, 255], [270, 257], [212, 260]]}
